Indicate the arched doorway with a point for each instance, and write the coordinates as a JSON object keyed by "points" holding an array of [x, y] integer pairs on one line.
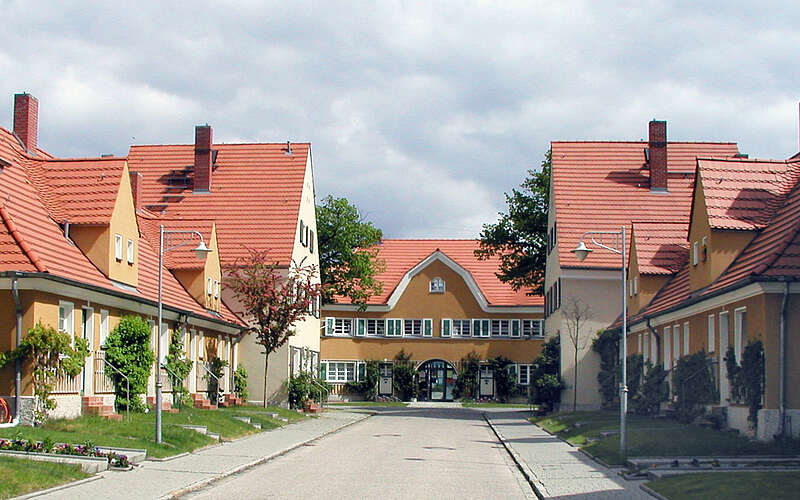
{"points": [[437, 380]]}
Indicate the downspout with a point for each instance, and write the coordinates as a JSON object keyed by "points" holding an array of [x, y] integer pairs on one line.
{"points": [[782, 386]]}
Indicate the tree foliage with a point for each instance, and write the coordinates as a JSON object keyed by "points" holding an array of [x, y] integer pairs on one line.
{"points": [[576, 313], [545, 376], [348, 258], [504, 383], [404, 376], [178, 368], [52, 355], [519, 237], [606, 344], [653, 391], [240, 383], [694, 386], [128, 350], [747, 379], [469, 377], [273, 301]]}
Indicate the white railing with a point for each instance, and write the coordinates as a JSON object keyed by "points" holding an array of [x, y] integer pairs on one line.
{"points": [[68, 385], [102, 382]]}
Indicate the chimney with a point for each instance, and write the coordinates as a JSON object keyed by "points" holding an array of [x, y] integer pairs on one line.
{"points": [[202, 158], [658, 155], [26, 120], [136, 189]]}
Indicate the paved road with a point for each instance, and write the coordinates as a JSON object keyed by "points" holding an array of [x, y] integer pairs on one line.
{"points": [[398, 453]]}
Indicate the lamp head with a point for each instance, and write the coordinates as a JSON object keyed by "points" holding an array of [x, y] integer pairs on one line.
{"points": [[202, 250], [581, 251]]}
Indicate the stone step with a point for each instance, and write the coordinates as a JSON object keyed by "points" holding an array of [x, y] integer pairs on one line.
{"points": [[202, 429], [212, 435], [256, 425], [243, 419]]}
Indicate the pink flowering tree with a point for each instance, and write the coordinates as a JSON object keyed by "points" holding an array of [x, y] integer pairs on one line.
{"points": [[273, 299]]}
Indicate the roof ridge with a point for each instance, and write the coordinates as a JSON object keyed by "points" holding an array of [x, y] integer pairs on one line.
{"points": [[29, 252], [641, 141]]}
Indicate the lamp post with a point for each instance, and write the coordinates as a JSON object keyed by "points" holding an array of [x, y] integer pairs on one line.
{"points": [[581, 252], [201, 251]]}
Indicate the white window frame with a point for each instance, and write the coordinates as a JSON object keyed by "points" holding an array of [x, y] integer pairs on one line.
{"points": [[340, 328], [88, 333], [524, 368], [667, 334], [653, 349], [636, 285], [192, 345], [446, 332], [201, 345], [437, 285], [131, 251], [427, 327], [104, 323], [458, 325], [695, 252], [361, 327], [66, 321], [216, 289], [639, 344], [414, 322], [646, 346], [704, 247], [379, 327], [533, 325], [118, 247], [209, 286], [341, 371], [686, 338], [711, 333], [676, 343], [739, 332], [516, 328]]}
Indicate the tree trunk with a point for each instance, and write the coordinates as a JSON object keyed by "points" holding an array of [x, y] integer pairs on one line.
{"points": [[575, 388], [266, 369]]}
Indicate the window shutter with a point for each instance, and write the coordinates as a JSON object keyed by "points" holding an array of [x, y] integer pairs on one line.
{"points": [[512, 370], [398, 327], [515, 328], [329, 326], [476, 328], [301, 233], [390, 327], [427, 327], [362, 370], [361, 326], [445, 328], [485, 329], [323, 370]]}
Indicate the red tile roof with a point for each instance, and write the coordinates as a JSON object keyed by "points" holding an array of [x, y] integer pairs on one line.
{"points": [[743, 194], [401, 255], [661, 247], [605, 185], [254, 199], [773, 252], [32, 228]]}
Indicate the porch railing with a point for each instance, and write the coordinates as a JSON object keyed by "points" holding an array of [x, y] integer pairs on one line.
{"points": [[68, 385], [102, 382]]}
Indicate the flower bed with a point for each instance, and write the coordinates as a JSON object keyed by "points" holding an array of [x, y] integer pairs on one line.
{"points": [[87, 449]]}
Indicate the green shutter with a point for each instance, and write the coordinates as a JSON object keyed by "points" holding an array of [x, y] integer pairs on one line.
{"points": [[427, 325], [323, 370], [485, 329], [398, 327], [362, 325], [476, 328], [445, 328], [362, 370], [390, 327], [515, 328], [329, 329]]}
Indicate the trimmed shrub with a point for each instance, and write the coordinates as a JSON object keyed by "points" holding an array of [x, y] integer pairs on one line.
{"points": [[128, 350], [469, 377], [693, 385], [404, 377]]}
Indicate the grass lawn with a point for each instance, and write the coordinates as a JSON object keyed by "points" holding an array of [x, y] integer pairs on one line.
{"points": [[21, 476], [723, 485], [369, 403], [497, 405], [140, 431], [654, 437]]}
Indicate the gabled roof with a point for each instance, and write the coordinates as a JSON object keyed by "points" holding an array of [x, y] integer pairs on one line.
{"points": [[605, 185], [254, 199], [661, 247], [772, 254], [32, 241], [402, 257], [82, 191], [742, 194]]}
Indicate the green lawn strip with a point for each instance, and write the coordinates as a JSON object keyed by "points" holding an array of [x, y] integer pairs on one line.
{"points": [[384, 404], [654, 437], [20, 476], [216, 421], [722, 485], [260, 415], [496, 405]]}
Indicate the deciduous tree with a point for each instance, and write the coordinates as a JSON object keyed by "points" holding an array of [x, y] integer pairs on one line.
{"points": [[577, 313], [519, 237], [273, 300], [348, 258]]}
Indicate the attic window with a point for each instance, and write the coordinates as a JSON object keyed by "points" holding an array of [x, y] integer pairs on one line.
{"points": [[704, 254], [210, 286], [4, 164], [130, 251], [118, 247], [695, 253], [437, 285]]}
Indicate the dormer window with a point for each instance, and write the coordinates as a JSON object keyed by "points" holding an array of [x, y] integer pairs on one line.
{"points": [[118, 247], [210, 286], [216, 289], [437, 285], [695, 253], [704, 251]]}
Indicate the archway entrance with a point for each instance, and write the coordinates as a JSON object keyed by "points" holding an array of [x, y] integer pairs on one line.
{"points": [[437, 380]]}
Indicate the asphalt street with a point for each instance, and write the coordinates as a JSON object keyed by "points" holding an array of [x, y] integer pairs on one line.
{"points": [[398, 453]]}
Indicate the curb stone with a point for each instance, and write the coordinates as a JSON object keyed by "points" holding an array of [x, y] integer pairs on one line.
{"points": [[64, 486], [211, 480], [538, 488]]}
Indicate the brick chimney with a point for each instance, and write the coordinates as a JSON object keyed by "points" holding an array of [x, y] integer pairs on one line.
{"points": [[136, 189], [26, 120], [202, 158], [658, 155]]}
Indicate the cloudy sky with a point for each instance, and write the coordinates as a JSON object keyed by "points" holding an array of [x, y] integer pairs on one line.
{"points": [[421, 113]]}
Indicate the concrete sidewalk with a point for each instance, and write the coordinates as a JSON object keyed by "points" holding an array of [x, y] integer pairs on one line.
{"points": [[166, 479], [556, 469]]}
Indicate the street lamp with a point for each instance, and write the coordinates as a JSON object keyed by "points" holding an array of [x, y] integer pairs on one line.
{"points": [[201, 251], [581, 252]]}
